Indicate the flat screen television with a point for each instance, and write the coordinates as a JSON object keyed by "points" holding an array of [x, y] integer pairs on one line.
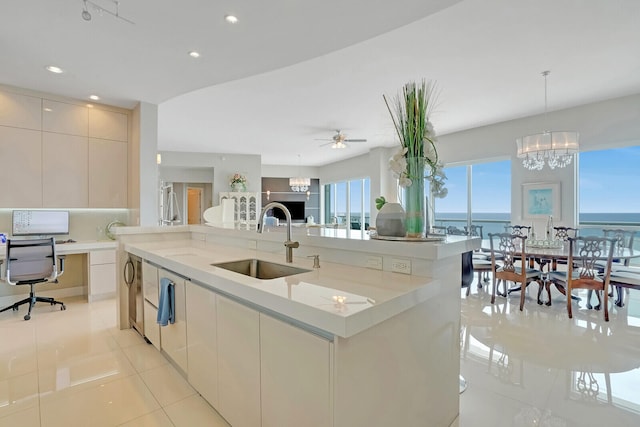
{"points": [[295, 208], [40, 222]]}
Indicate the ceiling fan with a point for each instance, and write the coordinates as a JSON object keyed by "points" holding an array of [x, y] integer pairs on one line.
{"points": [[339, 140]]}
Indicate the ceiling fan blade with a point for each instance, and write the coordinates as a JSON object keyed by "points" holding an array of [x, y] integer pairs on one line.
{"points": [[355, 140]]}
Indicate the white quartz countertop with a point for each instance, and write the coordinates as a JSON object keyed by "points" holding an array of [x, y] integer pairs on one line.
{"points": [[369, 296]]}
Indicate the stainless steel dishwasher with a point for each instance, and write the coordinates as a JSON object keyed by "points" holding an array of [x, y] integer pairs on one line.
{"points": [[133, 279]]}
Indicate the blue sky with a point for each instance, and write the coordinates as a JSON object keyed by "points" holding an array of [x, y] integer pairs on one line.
{"points": [[609, 182]]}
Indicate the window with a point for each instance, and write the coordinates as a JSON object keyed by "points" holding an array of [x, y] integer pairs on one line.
{"points": [[487, 202], [348, 202], [608, 187]]}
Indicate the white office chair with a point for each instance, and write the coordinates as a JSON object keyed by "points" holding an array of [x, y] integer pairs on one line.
{"points": [[30, 262]]}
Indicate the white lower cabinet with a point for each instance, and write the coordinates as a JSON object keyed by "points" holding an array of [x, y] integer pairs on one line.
{"points": [[173, 337], [238, 363], [150, 294], [202, 342], [151, 327], [295, 376], [102, 274]]}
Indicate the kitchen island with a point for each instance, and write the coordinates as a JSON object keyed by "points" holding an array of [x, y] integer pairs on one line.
{"points": [[351, 343]]}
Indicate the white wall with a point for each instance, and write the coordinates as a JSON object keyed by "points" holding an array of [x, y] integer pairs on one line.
{"points": [[224, 166], [606, 124]]}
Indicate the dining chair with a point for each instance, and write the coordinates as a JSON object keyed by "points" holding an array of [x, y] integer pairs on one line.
{"points": [[583, 271], [624, 240], [518, 230], [624, 277], [455, 231], [511, 247], [474, 230], [562, 233]]}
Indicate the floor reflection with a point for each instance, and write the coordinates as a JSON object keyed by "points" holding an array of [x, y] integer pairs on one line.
{"points": [[538, 367]]}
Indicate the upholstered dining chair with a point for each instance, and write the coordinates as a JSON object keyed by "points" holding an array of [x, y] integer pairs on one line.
{"points": [[455, 231], [624, 278], [474, 230], [513, 268], [518, 230], [562, 233], [624, 240], [583, 271]]}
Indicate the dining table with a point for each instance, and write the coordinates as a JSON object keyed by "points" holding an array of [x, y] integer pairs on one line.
{"points": [[549, 253]]}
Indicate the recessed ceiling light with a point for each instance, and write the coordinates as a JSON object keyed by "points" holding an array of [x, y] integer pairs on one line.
{"points": [[94, 97], [231, 19], [194, 54], [54, 69], [47, 109], [89, 105]]}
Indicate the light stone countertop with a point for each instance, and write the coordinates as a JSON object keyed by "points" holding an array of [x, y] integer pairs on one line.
{"points": [[372, 296]]}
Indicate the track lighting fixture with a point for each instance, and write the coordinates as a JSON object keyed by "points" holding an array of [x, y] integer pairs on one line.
{"points": [[95, 7]]}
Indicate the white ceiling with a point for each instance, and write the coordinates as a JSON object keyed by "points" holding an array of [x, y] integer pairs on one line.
{"points": [[291, 72]]}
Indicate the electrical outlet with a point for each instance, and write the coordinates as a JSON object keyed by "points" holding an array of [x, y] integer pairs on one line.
{"points": [[252, 244], [401, 266], [374, 262]]}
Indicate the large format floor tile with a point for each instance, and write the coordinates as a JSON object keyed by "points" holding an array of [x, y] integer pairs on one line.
{"points": [[531, 368], [540, 368]]}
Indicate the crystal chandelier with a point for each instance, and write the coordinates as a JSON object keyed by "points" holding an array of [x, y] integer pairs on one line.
{"points": [[299, 184], [556, 148]]}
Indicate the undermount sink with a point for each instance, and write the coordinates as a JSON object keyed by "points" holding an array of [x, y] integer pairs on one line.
{"points": [[260, 269]]}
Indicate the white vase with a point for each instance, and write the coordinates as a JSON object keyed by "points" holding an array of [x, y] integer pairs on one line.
{"points": [[390, 220]]}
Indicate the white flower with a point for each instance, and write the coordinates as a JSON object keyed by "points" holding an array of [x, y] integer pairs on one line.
{"points": [[404, 181], [398, 163]]}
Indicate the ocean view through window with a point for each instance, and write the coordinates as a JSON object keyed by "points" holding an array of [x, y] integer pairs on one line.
{"points": [[347, 203], [479, 194], [608, 189]]}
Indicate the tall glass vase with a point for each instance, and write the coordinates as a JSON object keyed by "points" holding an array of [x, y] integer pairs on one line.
{"points": [[414, 198]]}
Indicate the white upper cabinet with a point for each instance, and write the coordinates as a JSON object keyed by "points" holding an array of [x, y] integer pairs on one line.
{"points": [[21, 171], [64, 171], [105, 124], [107, 174], [20, 111], [65, 118]]}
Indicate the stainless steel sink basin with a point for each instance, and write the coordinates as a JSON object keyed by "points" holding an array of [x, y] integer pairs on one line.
{"points": [[260, 269]]}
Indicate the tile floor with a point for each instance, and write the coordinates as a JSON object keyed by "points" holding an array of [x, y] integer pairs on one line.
{"points": [[75, 368], [531, 368], [540, 368]]}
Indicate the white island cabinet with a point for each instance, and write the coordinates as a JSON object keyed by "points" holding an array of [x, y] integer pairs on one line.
{"points": [[202, 342], [295, 376], [173, 337], [337, 346], [238, 363]]}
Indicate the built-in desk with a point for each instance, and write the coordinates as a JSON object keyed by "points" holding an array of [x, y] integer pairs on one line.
{"points": [[90, 270]]}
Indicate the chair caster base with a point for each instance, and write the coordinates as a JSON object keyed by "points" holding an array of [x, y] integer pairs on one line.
{"points": [[27, 317]]}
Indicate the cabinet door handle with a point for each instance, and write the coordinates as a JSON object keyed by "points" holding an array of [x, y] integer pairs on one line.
{"points": [[129, 268]]}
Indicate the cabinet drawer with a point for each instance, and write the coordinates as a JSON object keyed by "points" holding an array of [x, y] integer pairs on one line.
{"points": [[151, 327], [150, 283], [102, 257]]}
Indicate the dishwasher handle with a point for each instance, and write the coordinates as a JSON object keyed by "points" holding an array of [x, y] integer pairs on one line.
{"points": [[129, 273]]}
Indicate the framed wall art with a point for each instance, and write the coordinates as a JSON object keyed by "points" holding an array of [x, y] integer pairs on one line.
{"points": [[541, 199]]}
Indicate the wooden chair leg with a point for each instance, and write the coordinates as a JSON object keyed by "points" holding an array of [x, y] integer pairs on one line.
{"points": [[606, 305], [548, 286], [493, 292], [569, 303], [523, 290]]}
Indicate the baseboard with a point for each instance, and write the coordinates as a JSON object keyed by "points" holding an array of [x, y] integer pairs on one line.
{"points": [[100, 297]]}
